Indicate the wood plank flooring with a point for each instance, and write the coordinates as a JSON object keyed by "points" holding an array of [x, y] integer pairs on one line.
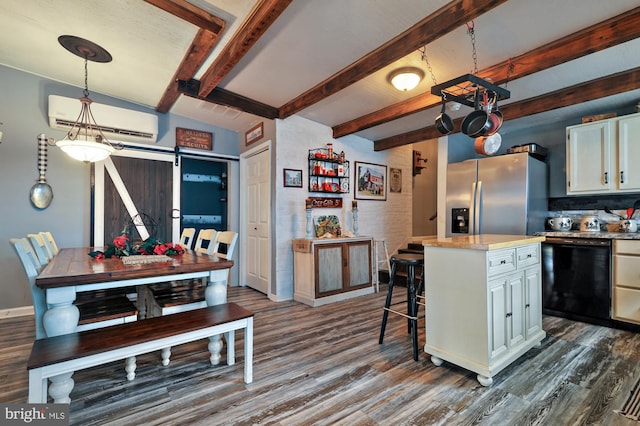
{"points": [[324, 366]]}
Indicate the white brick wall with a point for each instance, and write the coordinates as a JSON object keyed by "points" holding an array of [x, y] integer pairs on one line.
{"points": [[390, 219]]}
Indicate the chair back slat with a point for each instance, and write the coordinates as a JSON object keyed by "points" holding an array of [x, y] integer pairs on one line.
{"points": [[49, 242], [40, 248], [32, 267]]}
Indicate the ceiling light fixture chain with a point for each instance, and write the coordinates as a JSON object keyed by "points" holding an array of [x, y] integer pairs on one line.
{"points": [[86, 77], [423, 52], [472, 35]]}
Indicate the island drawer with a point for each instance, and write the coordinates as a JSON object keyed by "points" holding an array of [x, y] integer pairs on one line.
{"points": [[501, 261], [626, 304], [528, 255]]}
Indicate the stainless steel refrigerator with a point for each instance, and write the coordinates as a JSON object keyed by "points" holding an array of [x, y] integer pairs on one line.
{"points": [[506, 194]]}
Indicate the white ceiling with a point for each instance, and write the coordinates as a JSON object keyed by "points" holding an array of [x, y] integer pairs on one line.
{"points": [[308, 43]]}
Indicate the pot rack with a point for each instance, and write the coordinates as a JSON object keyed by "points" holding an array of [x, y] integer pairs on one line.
{"points": [[464, 89]]}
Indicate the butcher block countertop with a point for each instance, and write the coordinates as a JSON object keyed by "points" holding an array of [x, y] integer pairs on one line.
{"points": [[482, 242]]}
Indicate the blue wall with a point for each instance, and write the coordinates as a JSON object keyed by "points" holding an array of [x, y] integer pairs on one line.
{"points": [[23, 116]]}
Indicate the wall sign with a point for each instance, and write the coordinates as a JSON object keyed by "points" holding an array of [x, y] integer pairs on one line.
{"points": [[194, 139], [254, 134], [325, 202]]}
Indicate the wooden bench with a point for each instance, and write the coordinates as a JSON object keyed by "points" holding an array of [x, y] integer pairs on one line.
{"points": [[56, 358]]}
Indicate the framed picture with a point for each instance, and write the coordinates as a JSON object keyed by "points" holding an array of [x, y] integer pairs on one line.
{"points": [[395, 180], [254, 134], [292, 178], [370, 181]]}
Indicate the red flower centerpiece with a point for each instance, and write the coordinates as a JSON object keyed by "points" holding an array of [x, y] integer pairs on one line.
{"points": [[151, 246]]}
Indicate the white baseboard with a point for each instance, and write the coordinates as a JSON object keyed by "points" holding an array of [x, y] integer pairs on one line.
{"points": [[20, 311]]}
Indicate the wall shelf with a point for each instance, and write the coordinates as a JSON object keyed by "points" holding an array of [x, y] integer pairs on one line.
{"points": [[328, 172]]}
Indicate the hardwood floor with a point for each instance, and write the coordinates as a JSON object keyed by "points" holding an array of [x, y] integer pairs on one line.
{"points": [[324, 366]]}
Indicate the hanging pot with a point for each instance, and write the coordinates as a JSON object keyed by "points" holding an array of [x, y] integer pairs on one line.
{"points": [[488, 145], [477, 122], [444, 123]]}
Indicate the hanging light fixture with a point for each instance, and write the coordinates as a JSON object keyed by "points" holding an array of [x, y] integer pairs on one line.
{"points": [[85, 141], [406, 78]]}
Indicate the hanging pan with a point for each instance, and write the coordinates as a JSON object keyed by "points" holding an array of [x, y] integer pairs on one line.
{"points": [[444, 123], [477, 122], [496, 117]]}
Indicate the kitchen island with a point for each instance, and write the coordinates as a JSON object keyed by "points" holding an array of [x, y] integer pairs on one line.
{"points": [[483, 300]]}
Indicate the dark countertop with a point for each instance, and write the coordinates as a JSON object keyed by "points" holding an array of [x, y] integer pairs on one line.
{"points": [[593, 234]]}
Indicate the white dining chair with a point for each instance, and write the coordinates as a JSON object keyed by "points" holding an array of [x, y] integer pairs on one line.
{"points": [[97, 308], [32, 266], [186, 238], [190, 295], [205, 241], [224, 246]]}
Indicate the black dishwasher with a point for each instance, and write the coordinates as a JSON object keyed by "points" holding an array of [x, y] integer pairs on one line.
{"points": [[576, 278]]}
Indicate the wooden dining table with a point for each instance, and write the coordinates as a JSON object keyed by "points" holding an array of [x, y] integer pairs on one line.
{"points": [[72, 270]]}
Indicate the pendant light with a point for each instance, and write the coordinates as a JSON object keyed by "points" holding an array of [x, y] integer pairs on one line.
{"points": [[85, 141]]}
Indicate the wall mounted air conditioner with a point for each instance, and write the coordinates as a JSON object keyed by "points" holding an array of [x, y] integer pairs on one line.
{"points": [[118, 124]]}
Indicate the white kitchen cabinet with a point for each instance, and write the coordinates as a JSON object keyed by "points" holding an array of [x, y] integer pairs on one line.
{"points": [[601, 156], [332, 269], [626, 281], [483, 307]]}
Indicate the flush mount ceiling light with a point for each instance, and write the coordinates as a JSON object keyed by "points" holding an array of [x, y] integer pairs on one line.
{"points": [[406, 78], [85, 141]]}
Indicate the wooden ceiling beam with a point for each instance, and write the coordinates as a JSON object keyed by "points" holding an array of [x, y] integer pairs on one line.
{"points": [[197, 53], [263, 14], [595, 89], [224, 97], [188, 12], [608, 33], [211, 27], [446, 19]]}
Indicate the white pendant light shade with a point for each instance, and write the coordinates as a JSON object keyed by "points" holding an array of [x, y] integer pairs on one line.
{"points": [[88, 151], [405, 79], [85, 140]]}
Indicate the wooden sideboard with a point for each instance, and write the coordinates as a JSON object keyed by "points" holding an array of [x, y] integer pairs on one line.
{"points": [[327, 270]]}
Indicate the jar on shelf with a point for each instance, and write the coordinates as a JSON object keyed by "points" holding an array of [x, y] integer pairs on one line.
{"points": [[330, 151]]}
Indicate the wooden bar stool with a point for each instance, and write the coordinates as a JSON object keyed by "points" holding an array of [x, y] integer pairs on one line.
{"points": [[410, 260]]}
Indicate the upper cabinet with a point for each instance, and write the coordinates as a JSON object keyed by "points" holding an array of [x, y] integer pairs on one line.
{"points": [[600, 155]]}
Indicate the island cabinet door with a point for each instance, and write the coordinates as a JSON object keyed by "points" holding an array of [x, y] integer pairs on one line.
{"points": [[533, 302], [497, 315], [506, 310]]}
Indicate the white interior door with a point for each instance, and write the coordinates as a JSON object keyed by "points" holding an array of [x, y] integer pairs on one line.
{"points": [[257, 220]]}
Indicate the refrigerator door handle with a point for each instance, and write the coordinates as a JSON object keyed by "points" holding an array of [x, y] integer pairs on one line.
{"points": [[478, 208], [472, 210]]}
